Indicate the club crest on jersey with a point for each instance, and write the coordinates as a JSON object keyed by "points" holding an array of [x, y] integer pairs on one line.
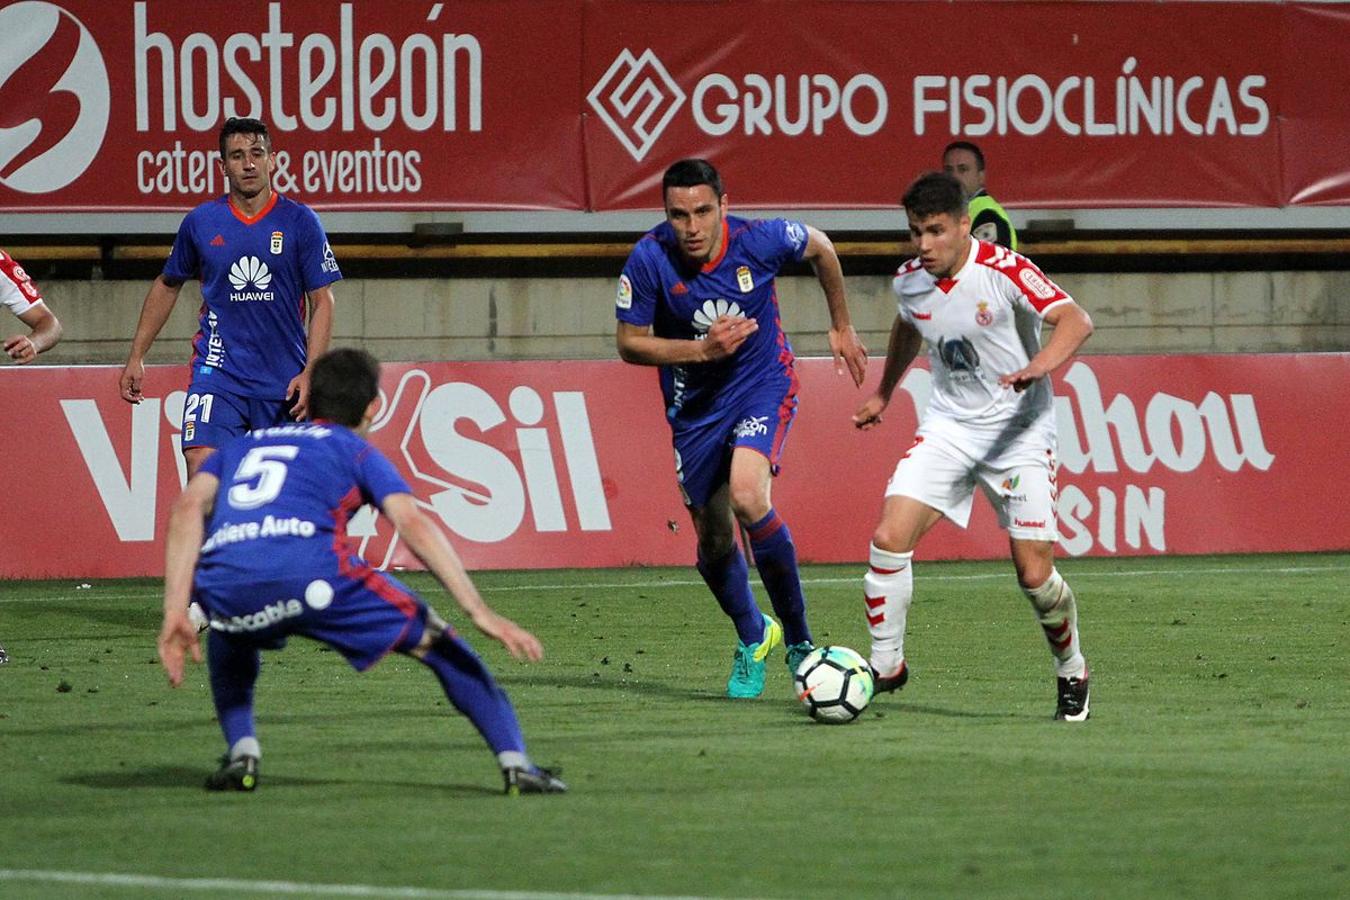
{"points": [[277, 238], [982, 314], [747, 284]]}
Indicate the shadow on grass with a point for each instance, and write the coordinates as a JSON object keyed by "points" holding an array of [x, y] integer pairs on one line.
{"points": [[191, 779], [606, 682]]}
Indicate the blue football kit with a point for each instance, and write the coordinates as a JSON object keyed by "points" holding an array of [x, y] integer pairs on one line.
{"points": [[251, 340], [748, 399], [277, 559]]}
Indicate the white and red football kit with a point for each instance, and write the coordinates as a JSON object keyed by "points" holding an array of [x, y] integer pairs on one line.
{"points": [[17, 291], [981, 323]]}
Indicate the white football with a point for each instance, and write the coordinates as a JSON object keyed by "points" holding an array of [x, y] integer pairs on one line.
{"points": [[834, 684]]}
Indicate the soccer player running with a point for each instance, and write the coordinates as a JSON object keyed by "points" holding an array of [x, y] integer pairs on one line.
{"points": [[259, 256], [259, 539], [697, 298], [990, 422], [21, 296]]}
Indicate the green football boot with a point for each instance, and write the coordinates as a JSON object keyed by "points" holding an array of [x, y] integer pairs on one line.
{"points": [[747, 665], [796, 653]]}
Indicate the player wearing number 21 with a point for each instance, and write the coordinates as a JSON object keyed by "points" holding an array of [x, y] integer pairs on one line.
{"points": [[259, 256], [990, 422]]}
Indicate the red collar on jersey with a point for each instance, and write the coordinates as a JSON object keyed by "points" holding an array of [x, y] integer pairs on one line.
{"points": [[247, 219], [721, 251]]}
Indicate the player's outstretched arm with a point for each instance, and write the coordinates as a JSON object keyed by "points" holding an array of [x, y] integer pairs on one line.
{"points": [[187, 522], [44, 332], [1072, 327], [155, 311], [638, 345], [845, 345], [904, 345], [427, 542]]}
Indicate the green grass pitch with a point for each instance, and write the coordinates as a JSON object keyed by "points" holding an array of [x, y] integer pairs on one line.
{"points": [[1215, 763]]}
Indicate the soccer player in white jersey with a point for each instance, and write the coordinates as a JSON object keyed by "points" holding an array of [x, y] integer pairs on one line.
{"points": [[990, 423], [21, 296]]}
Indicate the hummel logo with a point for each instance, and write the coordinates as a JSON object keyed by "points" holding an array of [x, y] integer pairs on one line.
{"points": [[636, 98], [217, 241]]}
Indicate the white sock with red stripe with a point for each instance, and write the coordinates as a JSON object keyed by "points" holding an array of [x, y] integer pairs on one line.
{"points": [[1057, 611], [888, 588]]}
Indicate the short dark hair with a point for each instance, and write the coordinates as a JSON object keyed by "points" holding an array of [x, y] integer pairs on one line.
{"points": [[932, 194], [343, 383], [244, 126], [691, 173], [970, 148]]}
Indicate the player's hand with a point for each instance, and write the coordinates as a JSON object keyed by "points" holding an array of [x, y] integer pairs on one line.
{"points": [[848, 350], [869, 414], [519, 642], [130, 382], [177, 637], [21, 349], [299, 389], [726, 335], [1021, 379]]}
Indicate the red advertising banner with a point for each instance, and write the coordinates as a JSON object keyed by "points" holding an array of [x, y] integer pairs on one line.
{"points": [[581, 104], [372, 105], [568, 464]]}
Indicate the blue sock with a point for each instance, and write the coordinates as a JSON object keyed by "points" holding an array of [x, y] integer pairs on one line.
{"points": [[728, 579], [776, 559], [234, 667], [473, 691]]}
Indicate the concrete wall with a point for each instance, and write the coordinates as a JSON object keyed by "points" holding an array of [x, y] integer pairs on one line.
{"points": [[541, 318]]}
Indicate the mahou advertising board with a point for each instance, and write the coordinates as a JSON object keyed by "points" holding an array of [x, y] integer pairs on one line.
{"points": [[568, 464], [581, 104]]}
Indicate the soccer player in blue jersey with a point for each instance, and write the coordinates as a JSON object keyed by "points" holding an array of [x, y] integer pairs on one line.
{"points": [[259, 256], [259, 539], [697, 298]]}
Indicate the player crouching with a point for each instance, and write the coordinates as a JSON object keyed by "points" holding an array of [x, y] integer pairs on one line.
{"points": [[260, 584]]}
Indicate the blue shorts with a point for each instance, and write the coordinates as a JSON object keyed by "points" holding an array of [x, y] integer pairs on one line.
{"points": [[212, 417], [759, 421], [363, 616]]}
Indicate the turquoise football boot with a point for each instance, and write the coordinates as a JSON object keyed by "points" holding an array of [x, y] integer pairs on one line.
{"points": [[747, 665], [796, 653]]}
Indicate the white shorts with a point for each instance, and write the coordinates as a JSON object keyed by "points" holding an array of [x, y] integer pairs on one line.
{"points": [[945, 464]]}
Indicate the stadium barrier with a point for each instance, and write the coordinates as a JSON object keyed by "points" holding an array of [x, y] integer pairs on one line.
{"points": [[568, 464]]}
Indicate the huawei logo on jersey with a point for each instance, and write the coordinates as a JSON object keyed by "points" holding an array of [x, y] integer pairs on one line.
{"points": [[249, 271], [712, 310], [924, 316]]}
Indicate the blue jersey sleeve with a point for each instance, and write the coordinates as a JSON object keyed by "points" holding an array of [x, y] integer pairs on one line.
{"points": [[184, 262], [639, 289], [777, 242], [318, 266], [377, 477]]}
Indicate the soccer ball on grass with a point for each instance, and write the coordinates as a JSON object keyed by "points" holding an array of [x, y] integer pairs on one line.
{"points": [[834, 684]]}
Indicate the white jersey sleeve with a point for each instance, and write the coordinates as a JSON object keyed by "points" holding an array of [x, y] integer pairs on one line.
{"points": [[17, 290]]}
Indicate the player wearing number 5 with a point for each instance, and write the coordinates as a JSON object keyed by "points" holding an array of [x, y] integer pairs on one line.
{"points": [[259, 256], [259, 539]]}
